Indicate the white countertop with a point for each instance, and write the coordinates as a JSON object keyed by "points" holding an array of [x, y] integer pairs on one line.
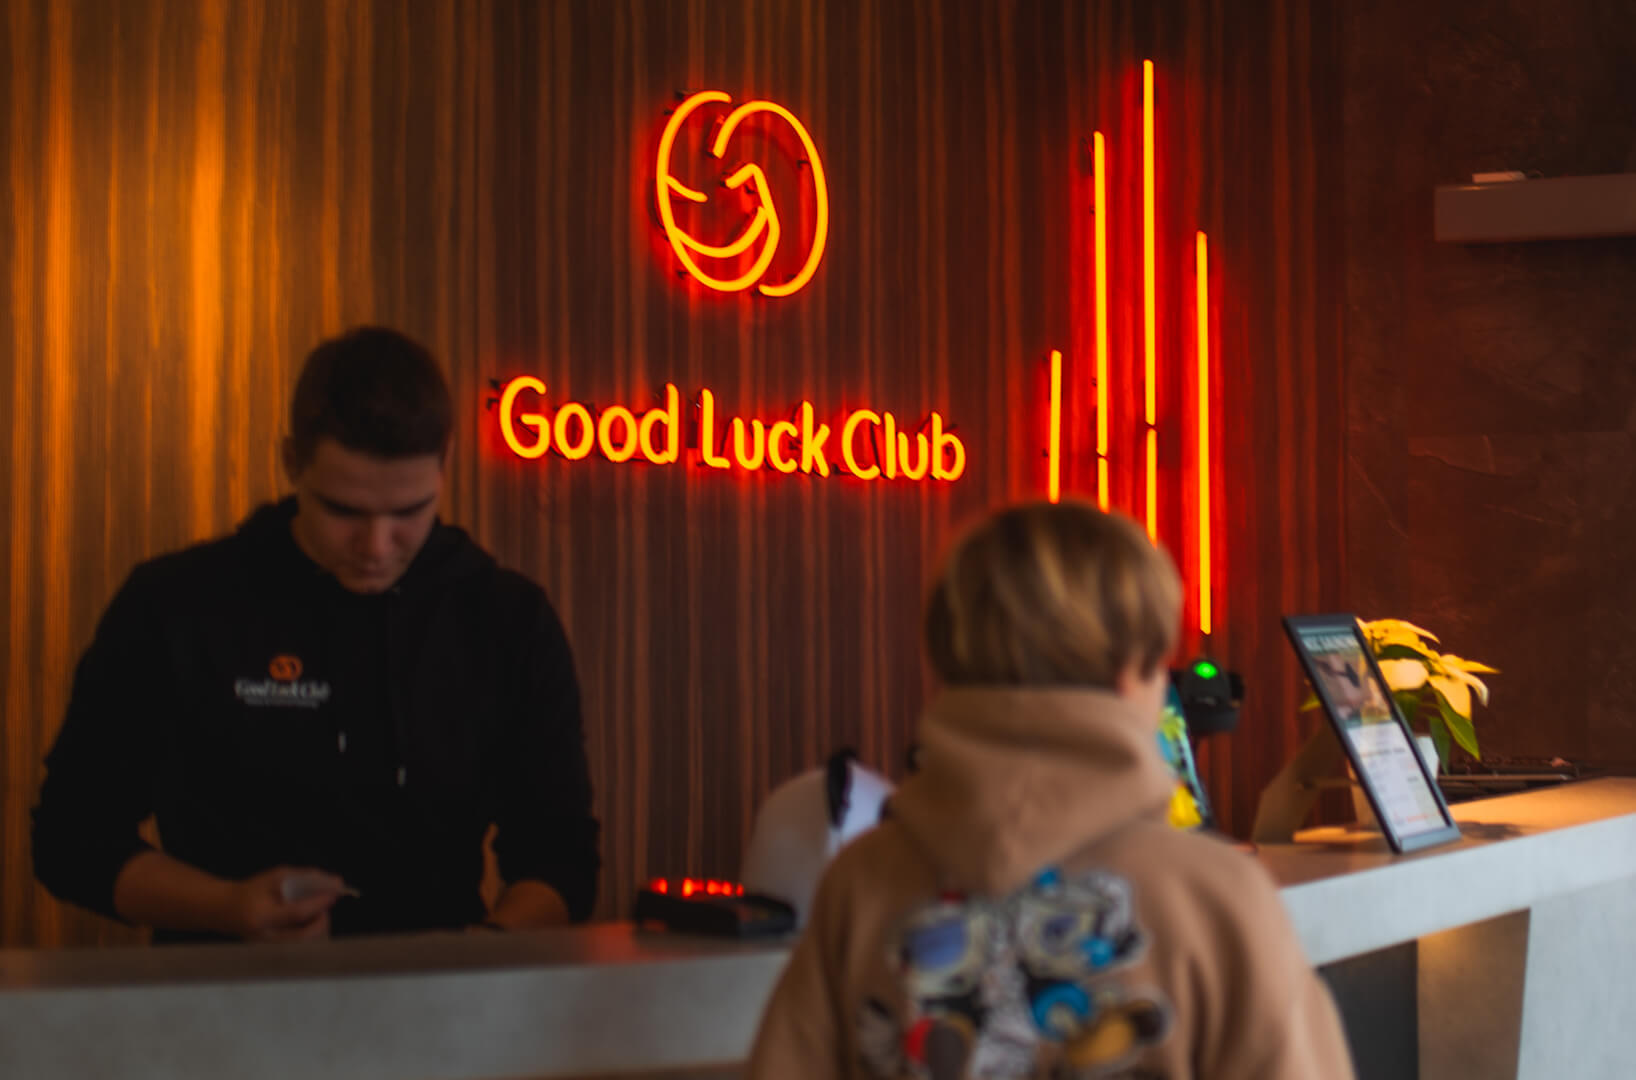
{"points": [[1347, 894], [611, 997]]}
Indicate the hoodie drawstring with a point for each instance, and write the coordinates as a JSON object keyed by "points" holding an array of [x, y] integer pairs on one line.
{"points": [[394, 700]]}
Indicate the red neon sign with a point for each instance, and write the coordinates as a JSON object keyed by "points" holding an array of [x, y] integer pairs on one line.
{"points": [[1150, 356], [764, 224], [1201, 270], [1053, 486], [1100, 204], [865, 443], [1150, 336]]}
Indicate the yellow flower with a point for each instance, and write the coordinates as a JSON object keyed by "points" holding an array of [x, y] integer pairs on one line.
{"points": [[1413, 667]]}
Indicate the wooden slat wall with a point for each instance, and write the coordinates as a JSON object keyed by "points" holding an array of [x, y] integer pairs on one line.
{"points": [[198, 190]]}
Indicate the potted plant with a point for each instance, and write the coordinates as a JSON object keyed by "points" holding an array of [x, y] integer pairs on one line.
{"points": [[1434, 689]]}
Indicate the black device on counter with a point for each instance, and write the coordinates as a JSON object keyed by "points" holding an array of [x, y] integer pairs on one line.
{"points": [[718, 908], [1209, 696]]}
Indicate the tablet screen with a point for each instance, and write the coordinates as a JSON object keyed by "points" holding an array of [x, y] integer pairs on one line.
{"points": [[1360, 705]]}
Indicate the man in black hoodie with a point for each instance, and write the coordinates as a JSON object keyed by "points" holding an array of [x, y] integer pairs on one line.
{"points": [[326, 711]]}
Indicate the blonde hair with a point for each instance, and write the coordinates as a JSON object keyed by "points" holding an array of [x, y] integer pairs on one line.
{"points": [[1052, 594]]}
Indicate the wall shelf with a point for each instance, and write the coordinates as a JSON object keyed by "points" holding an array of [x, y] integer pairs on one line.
{"points": [[1565, 207]]}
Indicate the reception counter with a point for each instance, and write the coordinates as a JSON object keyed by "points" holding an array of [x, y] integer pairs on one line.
{"points": [[1524, 935]]}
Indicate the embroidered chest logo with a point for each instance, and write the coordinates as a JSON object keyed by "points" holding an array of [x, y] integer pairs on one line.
{"points": [[285, 668], [1025, 986], [283, 687]]}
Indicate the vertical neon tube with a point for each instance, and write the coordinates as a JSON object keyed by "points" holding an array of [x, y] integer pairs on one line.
{"points": [[1150, 332], [1202, 253], [1152, 478], [1100, 173], [1054, 477]]}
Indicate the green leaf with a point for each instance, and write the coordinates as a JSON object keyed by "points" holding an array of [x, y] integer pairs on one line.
{"points": [[1440, 736], [1404, 652], [1408, 703], [1460, 728]]}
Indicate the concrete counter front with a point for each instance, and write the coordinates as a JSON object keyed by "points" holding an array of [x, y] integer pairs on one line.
{"points": [[1543, 884], [1521, 936]]}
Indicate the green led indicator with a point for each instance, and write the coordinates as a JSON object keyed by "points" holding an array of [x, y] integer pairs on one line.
{"points": [[1204, 669]]}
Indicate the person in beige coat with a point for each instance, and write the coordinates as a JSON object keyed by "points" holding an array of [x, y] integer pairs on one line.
{"points": [[1025, 910]]}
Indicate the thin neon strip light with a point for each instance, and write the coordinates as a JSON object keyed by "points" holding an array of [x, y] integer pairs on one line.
{"points": [[1150, 333], [1054, 480], [1152, 472], [1202, 253], [1101, 206]]}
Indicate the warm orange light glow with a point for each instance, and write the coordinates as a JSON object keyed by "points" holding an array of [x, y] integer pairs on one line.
{"points": [[670, 417], [820, 229], [776, 435], [763, 223], [921, 458], [946, 441], [574, 451], [617, 433], [1150, 335], [1152, 484], [612, 450], [1100, 184], [1053, 480], [1203, 318], [758, 442], [689, 887], [848, 431], [508, 430], [801, 443], [707, 432], [813, 437]]}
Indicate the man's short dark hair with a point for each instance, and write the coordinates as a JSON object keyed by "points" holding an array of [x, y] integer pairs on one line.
{"points": [[374, 391]]}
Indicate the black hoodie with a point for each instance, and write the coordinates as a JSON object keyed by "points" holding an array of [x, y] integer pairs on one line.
{"points": [[267, 717]]}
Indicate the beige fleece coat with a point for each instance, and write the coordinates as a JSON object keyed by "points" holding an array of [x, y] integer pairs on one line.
{"points": [[1027, 912]]}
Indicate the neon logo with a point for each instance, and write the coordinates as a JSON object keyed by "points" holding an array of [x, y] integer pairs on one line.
{"points": [[285, 668], [764, 227], [865, 443]]}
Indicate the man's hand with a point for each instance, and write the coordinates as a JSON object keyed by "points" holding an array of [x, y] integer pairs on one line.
{"points": [[284, 904], [281, 904], [528, 905]]}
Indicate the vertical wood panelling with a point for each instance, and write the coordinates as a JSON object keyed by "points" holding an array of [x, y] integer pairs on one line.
{"points": [[197, 190], [21, 732]]}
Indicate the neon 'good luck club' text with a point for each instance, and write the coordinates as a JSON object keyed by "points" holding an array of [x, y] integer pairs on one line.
{"points": [[865, 444]]}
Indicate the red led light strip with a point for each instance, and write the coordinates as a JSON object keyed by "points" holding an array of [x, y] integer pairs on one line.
{"points": [[689, 887], [1150, 334], [1150, 358]]}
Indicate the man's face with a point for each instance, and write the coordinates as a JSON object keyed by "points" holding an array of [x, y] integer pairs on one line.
{"points": [[364, 518]]}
